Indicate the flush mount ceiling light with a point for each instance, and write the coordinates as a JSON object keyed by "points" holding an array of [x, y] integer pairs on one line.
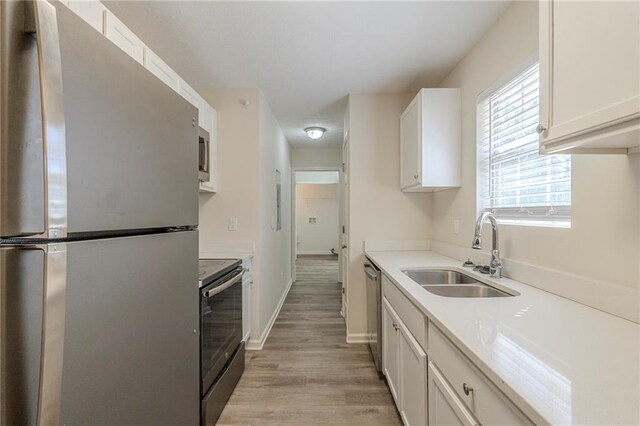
{"points": [[315, 132]]}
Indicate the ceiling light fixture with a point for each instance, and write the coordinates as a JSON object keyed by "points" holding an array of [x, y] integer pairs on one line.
{"points": [[315, 132]]}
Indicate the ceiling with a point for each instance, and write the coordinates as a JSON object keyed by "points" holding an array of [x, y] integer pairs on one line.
{"points": [[308, 56]]}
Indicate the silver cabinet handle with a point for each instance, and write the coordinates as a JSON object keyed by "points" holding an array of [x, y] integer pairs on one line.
{"points": [[223, 287], [467, 389], [541, 129], [53, 128]]}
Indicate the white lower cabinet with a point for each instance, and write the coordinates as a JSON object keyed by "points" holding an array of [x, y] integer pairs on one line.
{"points": [[445, 408], [390, 350], [405, 367], [483, 399], [413, 380], [431, 380]]}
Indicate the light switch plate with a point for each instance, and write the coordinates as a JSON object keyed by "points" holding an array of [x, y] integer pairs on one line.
{"points": [[456, 226], [233, 224]]}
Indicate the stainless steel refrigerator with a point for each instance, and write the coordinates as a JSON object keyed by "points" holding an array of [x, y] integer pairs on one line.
{"points": [[98, 219]]}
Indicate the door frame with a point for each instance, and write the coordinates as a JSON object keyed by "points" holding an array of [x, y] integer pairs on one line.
{"points": [[293, 214]]}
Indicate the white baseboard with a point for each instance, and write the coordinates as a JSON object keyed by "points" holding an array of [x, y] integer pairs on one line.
{"points": [[611, 298], [257, 344], [358, 337]]}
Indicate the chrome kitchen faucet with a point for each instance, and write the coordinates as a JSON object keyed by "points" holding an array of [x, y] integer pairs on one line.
{"points": [[495, 267]]}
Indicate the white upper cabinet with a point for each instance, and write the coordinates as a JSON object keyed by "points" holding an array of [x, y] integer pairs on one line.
{"points": [[123, 37], [430, 141], [92, 11], [160, 69], [589, 76], [190, 95]]}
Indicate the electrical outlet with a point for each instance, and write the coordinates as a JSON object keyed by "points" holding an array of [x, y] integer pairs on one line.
{"points": [[456, 226], [233, 224]]}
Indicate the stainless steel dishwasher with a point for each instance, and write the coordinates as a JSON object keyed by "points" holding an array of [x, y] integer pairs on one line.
{"points": [[374, 312]]}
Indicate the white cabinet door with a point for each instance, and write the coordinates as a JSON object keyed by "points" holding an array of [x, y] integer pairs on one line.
{"points": [[189, 94], [430, 141], [123, 37], [410, 145], [160, 69], [445, 408], [390, 350], [92, 11], [589, 75], [413, 380]]}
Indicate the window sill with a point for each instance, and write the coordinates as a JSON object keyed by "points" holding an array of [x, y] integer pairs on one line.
{"points": [[535, 223]]}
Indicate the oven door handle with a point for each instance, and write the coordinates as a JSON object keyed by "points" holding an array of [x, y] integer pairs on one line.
{"points": [[223, 287]]}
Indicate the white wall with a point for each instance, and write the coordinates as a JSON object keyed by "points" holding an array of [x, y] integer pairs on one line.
{"points": [[603, 242], [274, 246], [251, 146], [377, 208], [238, 139], [316, 157], [319, 201]]}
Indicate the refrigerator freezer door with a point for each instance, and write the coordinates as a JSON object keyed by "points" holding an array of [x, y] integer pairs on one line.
{"points": [[22, 191], [130, 352], [131, 141]]}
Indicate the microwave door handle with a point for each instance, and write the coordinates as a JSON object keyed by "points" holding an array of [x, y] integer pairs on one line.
{"points": [[41, 19], [223, 287]]}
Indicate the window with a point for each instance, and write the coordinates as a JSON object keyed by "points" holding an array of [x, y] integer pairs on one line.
{"points": [[515, 182]]}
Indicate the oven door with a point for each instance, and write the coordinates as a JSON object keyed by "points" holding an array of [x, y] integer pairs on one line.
{"points": [[220, 325]]}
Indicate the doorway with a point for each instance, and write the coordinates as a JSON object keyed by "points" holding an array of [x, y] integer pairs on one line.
{"points": [[316, 216]]}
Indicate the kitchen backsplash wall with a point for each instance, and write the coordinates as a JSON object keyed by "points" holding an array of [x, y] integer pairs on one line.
{"points": [[604, 240]]}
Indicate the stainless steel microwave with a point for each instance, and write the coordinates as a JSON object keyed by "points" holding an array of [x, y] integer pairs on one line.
{"points": [[203, 156]]}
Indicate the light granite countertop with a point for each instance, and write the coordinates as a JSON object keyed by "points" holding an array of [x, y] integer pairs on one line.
{"points": [[561, 362]]}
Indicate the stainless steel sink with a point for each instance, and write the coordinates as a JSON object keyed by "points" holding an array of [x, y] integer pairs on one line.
{"points": [[448, 283], [439, 276], [482, 290]]}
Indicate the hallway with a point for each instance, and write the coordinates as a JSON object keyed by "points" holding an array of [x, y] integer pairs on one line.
{"points": [[306, 373]]}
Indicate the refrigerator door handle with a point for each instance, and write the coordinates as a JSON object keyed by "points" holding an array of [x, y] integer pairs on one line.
{"points": [[53, 326], [41, 19]]}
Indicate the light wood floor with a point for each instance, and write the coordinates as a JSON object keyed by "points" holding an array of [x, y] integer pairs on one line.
{"points": [[306, 374]]}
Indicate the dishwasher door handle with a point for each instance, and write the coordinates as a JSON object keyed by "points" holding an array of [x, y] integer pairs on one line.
{"points": [[372, 277]]}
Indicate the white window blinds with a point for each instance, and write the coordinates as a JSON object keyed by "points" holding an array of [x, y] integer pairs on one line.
{"points": [[515, 182]]}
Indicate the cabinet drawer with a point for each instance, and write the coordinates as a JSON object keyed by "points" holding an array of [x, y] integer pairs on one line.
{"points": [[485, 401], [408, 313]]}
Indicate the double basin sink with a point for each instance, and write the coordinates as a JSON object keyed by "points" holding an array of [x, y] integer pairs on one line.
{"points": [[450, 283]]}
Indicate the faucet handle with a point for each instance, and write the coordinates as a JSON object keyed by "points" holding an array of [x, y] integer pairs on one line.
{"points": [[468, 263]]}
